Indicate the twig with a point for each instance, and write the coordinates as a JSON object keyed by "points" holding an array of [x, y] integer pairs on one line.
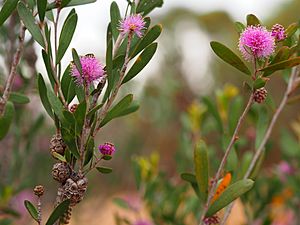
{"points": [[116, 90], [290, 88], [224, 159], [13, 69]]}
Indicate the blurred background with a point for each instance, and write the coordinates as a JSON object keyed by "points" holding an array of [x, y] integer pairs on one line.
{"points": [[181, 73]]}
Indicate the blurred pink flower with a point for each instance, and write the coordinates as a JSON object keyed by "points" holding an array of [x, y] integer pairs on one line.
{"points": [[92, 70], [256, 42], [142, 222], [133, 23], [17, 201], [285, 168]]}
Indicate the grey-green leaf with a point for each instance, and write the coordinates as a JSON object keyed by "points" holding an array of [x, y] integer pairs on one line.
{"points": [[115, 18], [18, 98], [282, 65], [6, 119], [31, 210], [231, 193], [58, 212], [7, 9], [42, 6], [66, 35], [30, 23], [229, 57], [201, 168], [71, 3], [104, 170], [43, 95]]}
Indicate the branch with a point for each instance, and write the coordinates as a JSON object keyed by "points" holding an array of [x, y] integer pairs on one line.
{"points": [[13, 69], [234, 138], [290, 88]]}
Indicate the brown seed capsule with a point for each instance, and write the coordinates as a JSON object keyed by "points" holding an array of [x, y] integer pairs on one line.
{"points": [[57, 144], [260, 95], [73, 108], [61, 172], [38, 190], [74, 190]]}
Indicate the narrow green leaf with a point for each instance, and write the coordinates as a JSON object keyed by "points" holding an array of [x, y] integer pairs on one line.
{"points": [[68, 85], [89, 151], [6, 119], [109, 53], [235, 110], [252, 20], [70, 118], [239, 27], [133, 107], [70, 141], [7, 9], [282, 65], [201, 168], [261, 125], [104, 170], [233, 192], [148, 38], [56, 105], [282, 55], [80, 116], [188, 177], [30, 23], [291, 29], [76, 60], [118, 109], [43, 95], [42, 6], [58, 212], [66, 35], [31, 210], [259, 83], [115, 18], [214, 112], [47, 62], [141, 62], [71, 3], [107, 157], [64, 3], [18, 98], [59, 157], [146, 6], [229, 57]]}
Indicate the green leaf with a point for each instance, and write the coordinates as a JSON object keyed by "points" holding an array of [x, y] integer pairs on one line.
{"points": [[229, 57], [76, 60], [141, 62], [233, 192], [282, 54], [291, 29], [104, 170], [148, 38], [43, 95], [42, 6], [115, 18], [59, 156], [252, 20], [259, 83], [188, 177], [234, 111], [30, 23], [107, 157], [70, 119], [66, 35], [18, 98], [58, 212], [146, 6], [261, 125], [64, 3], [121, 203], [7, 9], [71, 3], [70, 141], [201, 168], [6, 119], [89, 151], [56, 105], [109, 60], [47, 62], [282, 65], [239, 27], [68, 85], [31, 210], [118, 109], [80, 117]]}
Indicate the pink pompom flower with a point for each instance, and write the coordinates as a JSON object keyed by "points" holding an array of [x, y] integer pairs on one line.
{"points": [[107, 148], [132, 24], [278, 32], [92, 70], [256, 42]]}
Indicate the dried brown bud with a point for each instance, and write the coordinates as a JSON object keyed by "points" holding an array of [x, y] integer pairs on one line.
{"points": [[73, 108], [74, 190], [260, 95], [61, 172], [57, 144], [38, 190]]}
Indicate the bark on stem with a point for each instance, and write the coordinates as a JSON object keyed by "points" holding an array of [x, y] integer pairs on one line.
{"points": [[13, 70], [224, 159]]}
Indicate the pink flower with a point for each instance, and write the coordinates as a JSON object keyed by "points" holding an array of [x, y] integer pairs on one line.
{"points": [[278, 32], [107, 148], [133, 23], [92, 70], [256, 42], [285, 168], [211, 220]]}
